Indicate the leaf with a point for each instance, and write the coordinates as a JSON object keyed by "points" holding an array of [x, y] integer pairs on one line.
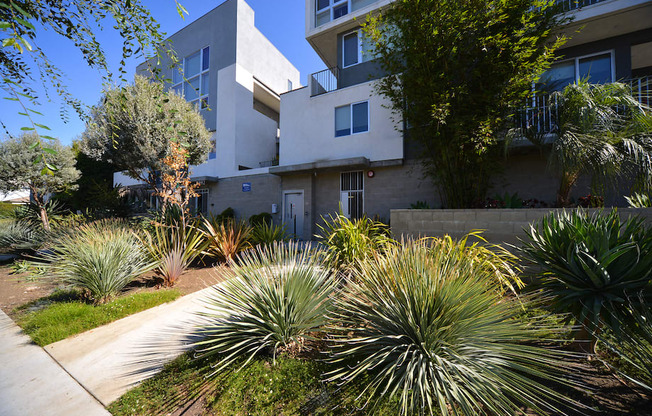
{"points": [[4, 25], [51, 167], [50, 150], [181, 10], [27, 128], [42, 126]]}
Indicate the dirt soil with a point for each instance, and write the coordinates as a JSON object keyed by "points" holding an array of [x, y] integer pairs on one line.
{"points": [[17, 289]]}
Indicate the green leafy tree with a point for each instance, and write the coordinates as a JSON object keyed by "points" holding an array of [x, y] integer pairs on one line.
{"points": [[602, 131], [136, 127], [23, 62], [18, 170], [454, 71]]}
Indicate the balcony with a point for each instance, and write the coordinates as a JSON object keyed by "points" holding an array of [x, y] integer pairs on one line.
{"points": [[539, 117], [568, 5], [324, 81]]}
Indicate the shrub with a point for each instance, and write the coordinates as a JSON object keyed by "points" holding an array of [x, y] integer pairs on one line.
{"points": [[20, 236], [225, 239], [99, 258], [273, 301], [348, 241], [173, 248], [260, 219], [431, 330], [268, 233], [590, 261]]}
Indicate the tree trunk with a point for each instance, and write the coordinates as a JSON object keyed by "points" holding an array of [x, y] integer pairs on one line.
{"points": [[44, 217]]}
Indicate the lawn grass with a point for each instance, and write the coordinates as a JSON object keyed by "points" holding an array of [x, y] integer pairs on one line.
{"points": [[288, 387], [65, 314]]}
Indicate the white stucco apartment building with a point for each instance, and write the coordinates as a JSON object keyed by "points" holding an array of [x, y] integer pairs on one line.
{"points": [[338, 145], [235, 75]]}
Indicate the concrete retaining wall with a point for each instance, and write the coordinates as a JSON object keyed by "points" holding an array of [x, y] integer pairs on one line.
{"points": [[500, 225]]}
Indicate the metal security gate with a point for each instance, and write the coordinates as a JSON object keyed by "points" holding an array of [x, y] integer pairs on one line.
{"points": [[352, 194]]}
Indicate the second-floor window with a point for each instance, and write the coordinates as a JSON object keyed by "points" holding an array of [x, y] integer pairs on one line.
{"points": [[192, 81], [596, 68], [352, 119]]}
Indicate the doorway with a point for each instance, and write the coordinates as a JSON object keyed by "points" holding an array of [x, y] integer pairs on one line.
{"points": [[293, 212]]}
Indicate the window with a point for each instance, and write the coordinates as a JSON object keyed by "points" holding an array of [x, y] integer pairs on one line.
{"points": [[350, 49], [199, 203], [327, 10], [289, 85], [352, 194], [213, 153], [352, 119], [193, 81], [597, 68]]}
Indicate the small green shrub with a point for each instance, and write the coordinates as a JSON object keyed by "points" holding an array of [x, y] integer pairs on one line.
{"points": [[433, 331], [273, 300], [225, 239], [20, 236], [99, 258], [420, 205], [590, 262], [260, 219], [267, 233], [348, 241]]}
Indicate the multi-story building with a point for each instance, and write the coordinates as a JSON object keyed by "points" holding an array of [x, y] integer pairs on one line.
{"points": [[235, 75], [340, 146]]}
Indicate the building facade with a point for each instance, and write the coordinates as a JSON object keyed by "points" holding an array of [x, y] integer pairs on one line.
{"points": [[343, 148], [235, 76]]}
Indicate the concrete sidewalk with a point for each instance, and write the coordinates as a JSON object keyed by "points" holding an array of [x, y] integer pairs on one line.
{"points": [[111, 359], [32, 383]]}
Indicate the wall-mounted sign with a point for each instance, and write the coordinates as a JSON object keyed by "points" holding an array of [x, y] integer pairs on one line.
{"points": [[246, 187]]}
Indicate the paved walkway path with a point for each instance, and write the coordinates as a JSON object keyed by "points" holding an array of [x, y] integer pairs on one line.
{"points": [[111, 359], [33, 384]]}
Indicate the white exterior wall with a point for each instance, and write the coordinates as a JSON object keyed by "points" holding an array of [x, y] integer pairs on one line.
{"points": [[308, 128]]}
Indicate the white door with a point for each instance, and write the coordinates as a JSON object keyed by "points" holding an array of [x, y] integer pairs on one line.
{"points": [[293, 213], [344, 203]]}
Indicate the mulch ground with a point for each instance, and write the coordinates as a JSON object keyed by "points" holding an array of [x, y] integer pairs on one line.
{"points": [[18, 289]]}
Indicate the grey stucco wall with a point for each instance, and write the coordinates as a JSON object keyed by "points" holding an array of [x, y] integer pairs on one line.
{"points": [[500, 225], [265, 191]]}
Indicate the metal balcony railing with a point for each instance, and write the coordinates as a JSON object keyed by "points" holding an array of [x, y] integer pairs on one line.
{"points": [[568, 5], [539, 116], [324, 81]]}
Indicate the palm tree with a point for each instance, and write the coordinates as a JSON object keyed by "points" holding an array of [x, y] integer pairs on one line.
{"points": [[603, 131]]}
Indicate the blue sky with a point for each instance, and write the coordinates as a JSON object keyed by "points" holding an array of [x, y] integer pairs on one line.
{"points": [[282, 21]]}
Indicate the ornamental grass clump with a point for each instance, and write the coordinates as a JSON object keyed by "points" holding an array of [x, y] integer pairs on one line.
{"points": [[591, 263], [346, 241], [275, 299], [173, 247], [99, 258], [433, 330]]}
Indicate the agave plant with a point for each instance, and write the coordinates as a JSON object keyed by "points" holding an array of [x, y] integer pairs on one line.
{"points": [[173, 248], [99, 258], [431, 329], [589, 262], [267, 233], [348, 241], [225, 238], [277, 296]]}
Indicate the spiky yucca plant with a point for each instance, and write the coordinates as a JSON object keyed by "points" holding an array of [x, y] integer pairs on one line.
{"points": [[430, 328], [591, 261], [638, 201], [275, 298], [225, 238], [100, 258], [347, 240], [173, 247]]}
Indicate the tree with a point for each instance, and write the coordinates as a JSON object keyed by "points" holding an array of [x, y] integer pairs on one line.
{"points": [[18, 170], [602, 131], [140, 128], [22, 61], [455, 69]]}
